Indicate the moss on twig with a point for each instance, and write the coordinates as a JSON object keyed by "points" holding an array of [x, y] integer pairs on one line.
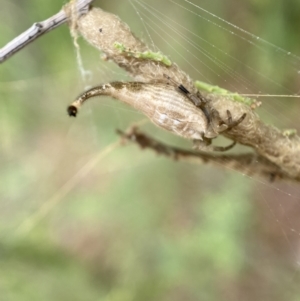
{"points": [[253, 103], [147, 55]]}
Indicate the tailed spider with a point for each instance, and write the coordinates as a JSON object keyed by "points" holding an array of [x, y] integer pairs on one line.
{"points": [[171, 107]]}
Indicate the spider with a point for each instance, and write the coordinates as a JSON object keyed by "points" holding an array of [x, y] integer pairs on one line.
{"points": [[171, 107]]}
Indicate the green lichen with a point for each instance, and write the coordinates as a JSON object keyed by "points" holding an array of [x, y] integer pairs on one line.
{"points": [[147, 55], [253, 103], [289, 132]]}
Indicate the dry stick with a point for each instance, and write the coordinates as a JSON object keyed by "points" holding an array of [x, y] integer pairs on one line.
{"points": [[248, 164], [39, 28]]}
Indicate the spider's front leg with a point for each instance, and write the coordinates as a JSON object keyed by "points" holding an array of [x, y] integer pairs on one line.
{"points": [[205, 145], [215, 124], [215, 127], [231, 124]]}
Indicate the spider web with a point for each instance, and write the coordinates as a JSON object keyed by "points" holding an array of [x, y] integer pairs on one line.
{"points": [[189, 231], [219, 52]]}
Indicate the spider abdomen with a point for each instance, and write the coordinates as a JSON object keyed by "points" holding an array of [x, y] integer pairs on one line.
{"points": [[162, 103], [165, 106]]}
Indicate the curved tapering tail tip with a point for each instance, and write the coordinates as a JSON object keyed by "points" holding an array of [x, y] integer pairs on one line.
{"points": [[72, 111]]}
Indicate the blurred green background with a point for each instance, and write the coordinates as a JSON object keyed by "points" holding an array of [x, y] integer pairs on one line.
{"points": [[132, 225]]}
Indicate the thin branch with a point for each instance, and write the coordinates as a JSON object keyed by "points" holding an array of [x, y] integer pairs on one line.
{"points": [[248, 164], [40, 28]]}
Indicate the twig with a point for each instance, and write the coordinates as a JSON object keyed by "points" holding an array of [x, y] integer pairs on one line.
{"points": [[39, 28], [249, 164]]}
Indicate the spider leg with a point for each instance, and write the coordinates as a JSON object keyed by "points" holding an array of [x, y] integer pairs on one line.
{"points": [[197, 99], [215, 123], [229, 117], [225, 126], [214, 129], [205, 146], [224, 148], [231, 123]]}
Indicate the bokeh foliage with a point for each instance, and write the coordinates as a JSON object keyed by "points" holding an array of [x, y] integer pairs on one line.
{"points": [[137, 226]]}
